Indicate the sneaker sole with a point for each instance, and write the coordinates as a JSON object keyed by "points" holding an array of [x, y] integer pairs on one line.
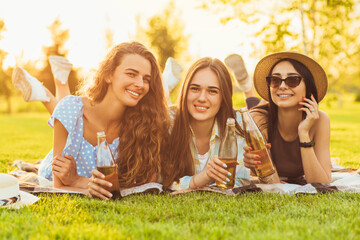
{"points": [[60, 62], [237, 65], [20, 82]]}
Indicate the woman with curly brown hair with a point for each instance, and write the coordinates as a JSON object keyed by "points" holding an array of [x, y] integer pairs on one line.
{"points": [[126, 101]]}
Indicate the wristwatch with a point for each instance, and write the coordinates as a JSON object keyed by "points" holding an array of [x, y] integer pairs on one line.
{"points": [[307, 144]]}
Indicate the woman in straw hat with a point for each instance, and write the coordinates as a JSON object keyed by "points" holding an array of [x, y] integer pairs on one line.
{"points": [[299, 133]]}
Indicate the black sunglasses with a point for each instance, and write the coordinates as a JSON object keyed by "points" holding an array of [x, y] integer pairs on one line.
{"points": [[291, 81]]}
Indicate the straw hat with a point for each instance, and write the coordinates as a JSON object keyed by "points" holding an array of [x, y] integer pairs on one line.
{"points": [[10, 194], [262, 70]]}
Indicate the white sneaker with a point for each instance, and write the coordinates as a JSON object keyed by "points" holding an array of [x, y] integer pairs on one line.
{"points": [[236, 64], [172, 73], [30, 87], [60, 67]]}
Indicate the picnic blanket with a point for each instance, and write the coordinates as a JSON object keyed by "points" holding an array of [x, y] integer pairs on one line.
{"points": [[343, 180]]}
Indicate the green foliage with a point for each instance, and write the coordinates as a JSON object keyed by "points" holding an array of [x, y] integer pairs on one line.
{"points": [[165, 34], [326, 30], [5, 74], [357, 99]]}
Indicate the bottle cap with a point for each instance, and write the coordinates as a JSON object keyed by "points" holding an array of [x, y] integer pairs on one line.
{"points": [[230, 121], [101, 134]]}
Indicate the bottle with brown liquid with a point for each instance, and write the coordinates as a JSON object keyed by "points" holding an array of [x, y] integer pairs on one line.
{"points": [[228, 153], [105, 164], [256, 141]]}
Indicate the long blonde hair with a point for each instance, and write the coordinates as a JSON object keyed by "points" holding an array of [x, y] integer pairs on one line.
{"points": [[144, 127]]}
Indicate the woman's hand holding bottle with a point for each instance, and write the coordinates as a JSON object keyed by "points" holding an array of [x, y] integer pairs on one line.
{"points": [[216, 170], [98, 186], [252, 160]]}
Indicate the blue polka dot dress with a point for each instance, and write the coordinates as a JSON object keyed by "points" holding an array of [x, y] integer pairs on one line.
{"points": [[69, 111]]}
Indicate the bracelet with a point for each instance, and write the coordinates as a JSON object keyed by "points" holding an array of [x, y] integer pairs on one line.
{"points": [[193, 178], [307, 144]]}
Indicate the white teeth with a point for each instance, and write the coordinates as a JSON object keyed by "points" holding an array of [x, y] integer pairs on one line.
{"points": [[133, 93], [201, 108], [283, 96]]}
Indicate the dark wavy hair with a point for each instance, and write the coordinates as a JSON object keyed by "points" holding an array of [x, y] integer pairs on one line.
{"points": [[144, 127], [180, 161]]}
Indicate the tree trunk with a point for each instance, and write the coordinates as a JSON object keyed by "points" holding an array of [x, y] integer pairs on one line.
{"points": [[8, 103]]}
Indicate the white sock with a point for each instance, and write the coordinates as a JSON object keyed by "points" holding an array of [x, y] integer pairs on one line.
{"points": [[172, 73], [60, 67], [245, 86], [30, 87]]}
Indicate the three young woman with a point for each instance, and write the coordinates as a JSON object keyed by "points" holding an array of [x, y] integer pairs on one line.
{"points": [[127, 101], [298, 131]]}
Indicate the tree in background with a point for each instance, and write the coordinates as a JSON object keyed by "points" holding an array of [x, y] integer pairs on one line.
{"points": [[322, 29], [5, 74], [164, 34], [59, 36], [109, 35]]}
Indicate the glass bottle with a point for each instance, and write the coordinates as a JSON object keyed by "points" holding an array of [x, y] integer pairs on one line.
{"points": [[256, 141], [228, 153], [105, 163]]}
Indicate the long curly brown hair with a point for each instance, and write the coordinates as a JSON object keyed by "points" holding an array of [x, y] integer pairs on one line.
{"points": [[180, 158], [144, 127]]}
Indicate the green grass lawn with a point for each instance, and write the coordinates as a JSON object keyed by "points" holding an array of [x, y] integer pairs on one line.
{"points": [[27, 136]]}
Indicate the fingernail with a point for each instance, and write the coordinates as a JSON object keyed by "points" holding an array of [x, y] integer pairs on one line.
{"points": [[257, 156], [224, 165], [258, 162], [312, 95], [110, 184], [227, 179], [110, 195], [103, 176], [299, 108], [250, 149], [269, 144], [229, 173], [256, 166], [300, 102], [224, 182]]}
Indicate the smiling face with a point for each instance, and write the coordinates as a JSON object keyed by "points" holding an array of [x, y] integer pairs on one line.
{"points": [[204, 96], [284, 96], [131, 79]]}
